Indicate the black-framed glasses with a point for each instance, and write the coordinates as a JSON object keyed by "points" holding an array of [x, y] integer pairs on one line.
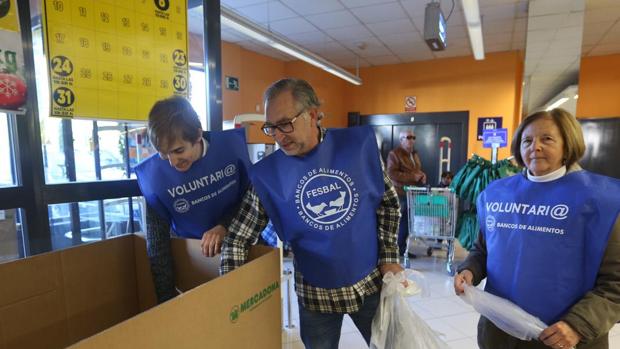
{"points": [[284, 127], [409, 138]]}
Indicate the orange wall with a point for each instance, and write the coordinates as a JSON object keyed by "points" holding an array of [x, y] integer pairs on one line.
{"points": [[599, 87], [484, 88], [255, 72], [329, 88]]}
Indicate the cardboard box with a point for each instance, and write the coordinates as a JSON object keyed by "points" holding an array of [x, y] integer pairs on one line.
{"points": [[70, 296]]}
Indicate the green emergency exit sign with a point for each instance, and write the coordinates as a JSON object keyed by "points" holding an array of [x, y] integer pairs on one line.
{"points": [[232, 83]]}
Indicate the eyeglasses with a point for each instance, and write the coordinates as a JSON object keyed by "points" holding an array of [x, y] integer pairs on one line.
{"points": [[408, 138], [284, 127]]}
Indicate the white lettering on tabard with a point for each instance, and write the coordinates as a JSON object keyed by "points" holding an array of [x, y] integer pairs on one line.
{"points": [[202, 182], [326, 199], [530, 227], [323, 190], [558, 212]]}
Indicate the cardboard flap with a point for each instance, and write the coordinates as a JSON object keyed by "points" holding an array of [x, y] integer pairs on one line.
{"points": [[259, 250], [26, 278], [32, 303], [241, 309], [58, 298], [145, 288], [37, 322], [100, 285], [191, 268]]}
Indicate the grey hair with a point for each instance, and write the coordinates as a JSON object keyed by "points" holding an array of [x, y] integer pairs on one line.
{"points": [[302, 92]]}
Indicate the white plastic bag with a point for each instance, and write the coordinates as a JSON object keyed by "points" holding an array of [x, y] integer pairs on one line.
{"points": [[506, 315], [395, 325]]}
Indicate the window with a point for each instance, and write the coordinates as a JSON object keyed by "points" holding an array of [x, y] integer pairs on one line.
{"points": [[82, 150], [198, 94], [11, 237], [71, 180], [11, 245], [7, 172], [98, 220]]}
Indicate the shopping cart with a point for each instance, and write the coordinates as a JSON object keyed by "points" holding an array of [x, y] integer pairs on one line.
{"points": [[432, 216]]}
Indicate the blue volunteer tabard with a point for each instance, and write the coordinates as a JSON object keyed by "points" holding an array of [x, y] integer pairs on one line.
{"points": [[325, 203], [194, 201], [545, 241]]}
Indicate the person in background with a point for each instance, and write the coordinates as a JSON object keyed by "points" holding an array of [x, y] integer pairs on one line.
{"points": [[550, 240], [405, 168], [446, 179], [193, 185], [327, 195]]}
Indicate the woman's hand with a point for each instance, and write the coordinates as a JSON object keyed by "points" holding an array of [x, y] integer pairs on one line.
{"points": [[560, 336], [466, 276], [211, 243]]}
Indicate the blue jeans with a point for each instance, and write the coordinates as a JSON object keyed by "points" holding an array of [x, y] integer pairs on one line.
{"points": [[322, 331]]}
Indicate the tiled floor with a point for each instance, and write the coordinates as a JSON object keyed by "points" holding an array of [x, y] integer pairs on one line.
{"points": [[442, 310]]}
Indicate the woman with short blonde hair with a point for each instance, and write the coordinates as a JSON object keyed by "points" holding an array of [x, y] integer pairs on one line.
{"points": [[549, 240]]}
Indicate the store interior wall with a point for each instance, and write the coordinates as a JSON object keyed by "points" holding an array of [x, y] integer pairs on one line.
{"points": [[330, 89], [487, 88], [492, 87], [254, 71], [599, 87]]}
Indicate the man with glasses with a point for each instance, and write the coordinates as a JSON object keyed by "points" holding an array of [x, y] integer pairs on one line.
{"points": [[405, 168], [327, 194]]}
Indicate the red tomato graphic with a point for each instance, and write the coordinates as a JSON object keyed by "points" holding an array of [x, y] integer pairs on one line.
{"points": [[12, 91]]}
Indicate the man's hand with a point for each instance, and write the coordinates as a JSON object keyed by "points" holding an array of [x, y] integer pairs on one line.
{"points": [[560, 335], [211, 243], [393, 267], [462, 278], [420, 177]]}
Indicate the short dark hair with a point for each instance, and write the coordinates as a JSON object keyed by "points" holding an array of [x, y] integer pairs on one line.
{"points": [[302, 92], [446, 174], [173, 118], [570, 129]]}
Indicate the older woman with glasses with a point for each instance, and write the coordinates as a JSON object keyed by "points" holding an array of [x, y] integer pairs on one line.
{"points": [[550, 240]]}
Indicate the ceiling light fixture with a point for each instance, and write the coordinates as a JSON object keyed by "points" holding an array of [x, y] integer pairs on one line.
{"points": [[244, 26], [474, 27], [557, 103], [196, 65]]}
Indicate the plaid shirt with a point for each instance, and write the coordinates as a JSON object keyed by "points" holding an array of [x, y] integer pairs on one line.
{"points": [[251, 219]]}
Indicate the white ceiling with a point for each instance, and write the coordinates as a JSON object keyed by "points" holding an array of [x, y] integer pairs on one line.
{"points": [[367, 33], [377, 32], [553, 49]]}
